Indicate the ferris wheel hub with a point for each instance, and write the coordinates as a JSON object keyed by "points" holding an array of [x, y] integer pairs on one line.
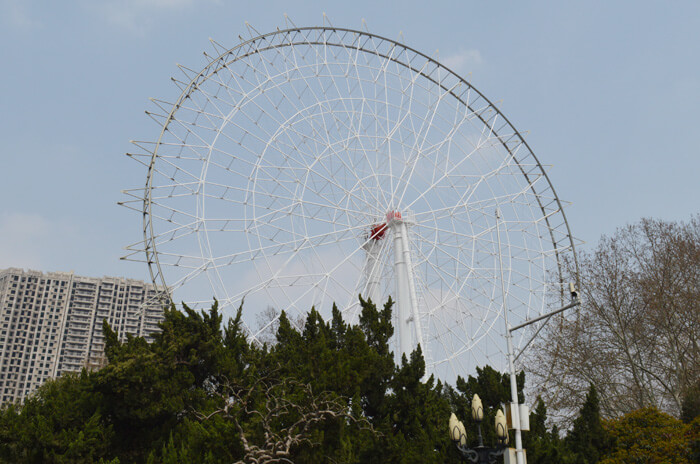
{"points": [[393, 218]]}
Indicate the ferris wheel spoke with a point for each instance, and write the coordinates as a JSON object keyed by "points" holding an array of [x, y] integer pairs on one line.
{"points": [[214, 119], [330, 180], [419, 142], [244, 97], [379, 197], [192, 272], [175, 233], [371, 205], [441, 270], [456, 341], [465, 204], [453, 341], [177, 168], [190, 187], [353, 63], [427, 151], [153, 208], [189, 132], [190, 146], [333, 269], [242, 109], [291, 246], [444, 176], [291, 201], [242, 94], [437, 270], [192, 262], [339, 156], [387, 106]]}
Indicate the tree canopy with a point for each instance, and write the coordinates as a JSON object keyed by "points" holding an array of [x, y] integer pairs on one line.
{"points": [[330, 393]]}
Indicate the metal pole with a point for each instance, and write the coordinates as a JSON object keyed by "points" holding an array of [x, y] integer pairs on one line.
{"points": [[515, 411], [372, 271], [515, 408], [415, 317], [544, 316], [403, 291]]}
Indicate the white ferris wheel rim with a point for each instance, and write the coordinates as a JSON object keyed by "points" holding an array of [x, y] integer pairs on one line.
{"points": [[536, 189]]}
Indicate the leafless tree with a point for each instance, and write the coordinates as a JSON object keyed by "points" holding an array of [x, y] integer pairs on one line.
{"points": [[268, 323], [275, 416], [636, 336]]}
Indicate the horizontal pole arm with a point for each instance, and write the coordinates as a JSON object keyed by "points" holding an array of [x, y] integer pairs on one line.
{"points": [[544, 316]]}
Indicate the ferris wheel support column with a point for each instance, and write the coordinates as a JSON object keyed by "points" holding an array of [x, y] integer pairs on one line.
{"points": [[409, 328], [372, 271]]}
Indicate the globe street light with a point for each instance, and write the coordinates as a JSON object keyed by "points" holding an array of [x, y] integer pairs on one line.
{"points": [[480, 454]]}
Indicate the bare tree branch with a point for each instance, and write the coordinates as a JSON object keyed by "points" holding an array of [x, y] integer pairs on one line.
{"points": [[274, 416], [636, 336]]}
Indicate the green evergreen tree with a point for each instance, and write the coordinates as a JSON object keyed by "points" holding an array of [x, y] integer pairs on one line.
{"points": [[588, 440], [59, 424], [543, 446]]}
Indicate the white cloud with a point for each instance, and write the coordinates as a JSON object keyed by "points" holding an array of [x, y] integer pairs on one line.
{"points": [[165, 3], [136, 15], [463, 61], [14, 13]]}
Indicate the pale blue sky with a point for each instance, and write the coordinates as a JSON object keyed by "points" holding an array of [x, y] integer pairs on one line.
{"points": [[608, 91]]}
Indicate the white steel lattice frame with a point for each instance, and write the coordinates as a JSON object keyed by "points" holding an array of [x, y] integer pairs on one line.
{"points": [[280, 156]]}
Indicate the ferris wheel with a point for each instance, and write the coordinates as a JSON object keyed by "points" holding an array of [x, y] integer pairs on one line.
{"points": [[307, 166]]}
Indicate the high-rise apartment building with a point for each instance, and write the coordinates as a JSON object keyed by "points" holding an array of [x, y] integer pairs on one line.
{"points": [[52, 323]]}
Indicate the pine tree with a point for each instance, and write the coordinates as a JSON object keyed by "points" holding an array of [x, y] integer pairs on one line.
{"points": [[588, 440], [543, 446]]}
